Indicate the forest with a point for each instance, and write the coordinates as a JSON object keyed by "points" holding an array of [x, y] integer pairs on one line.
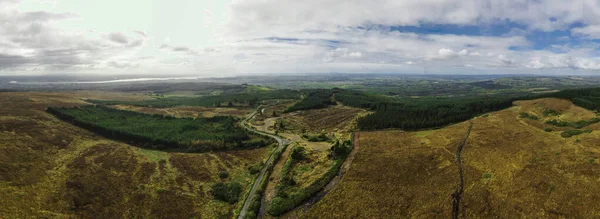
{"points": [[415, 114], [161, 132], [588, 98], [421, 113], [315, 99]]}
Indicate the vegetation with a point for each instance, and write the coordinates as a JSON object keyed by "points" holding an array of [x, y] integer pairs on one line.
{"points": [[316, 99], [223, 174], [528, 116], [548, 129], [288, 196], [42, 155], [421, 171], [578, 124], [588, 98], [419, 113], [570, 133], [316, 137], [255, 205], [162, 132], [227, 192], [255, 168], [551, 112], [415, 114], [298, 153]]}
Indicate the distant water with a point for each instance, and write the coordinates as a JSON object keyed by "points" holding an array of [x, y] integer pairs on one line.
{"points": [[106, 81]]}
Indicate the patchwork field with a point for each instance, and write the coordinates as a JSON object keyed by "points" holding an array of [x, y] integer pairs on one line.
{"points": [[332, 119], [512, 168], [49, 168]]}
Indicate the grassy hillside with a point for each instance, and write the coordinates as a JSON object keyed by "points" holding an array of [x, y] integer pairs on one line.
{"points": [[52, 169], [512, 166]]}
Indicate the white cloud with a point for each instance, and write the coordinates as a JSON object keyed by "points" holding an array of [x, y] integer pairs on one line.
{"points": [[355, 54], [592, 31], [31, 41], [310, 36]]}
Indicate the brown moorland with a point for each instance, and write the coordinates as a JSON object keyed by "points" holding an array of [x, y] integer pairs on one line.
{"points": [[512, 168], [49, 168]]}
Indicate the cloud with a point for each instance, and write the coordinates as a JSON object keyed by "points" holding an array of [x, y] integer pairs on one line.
{"points": [[592, 31], [320, 35], [272, 16], [7, 61], [178, 49], [118, 38], [141, 33], [33, 41]]}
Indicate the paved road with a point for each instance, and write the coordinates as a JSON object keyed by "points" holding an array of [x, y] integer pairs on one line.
{"points": [[263, 172]]}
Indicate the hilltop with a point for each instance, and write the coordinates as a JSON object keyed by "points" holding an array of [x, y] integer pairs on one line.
{"points": [[513, 166]]}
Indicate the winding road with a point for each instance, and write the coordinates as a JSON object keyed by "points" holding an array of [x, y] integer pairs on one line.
{"points": [[263, 172]]}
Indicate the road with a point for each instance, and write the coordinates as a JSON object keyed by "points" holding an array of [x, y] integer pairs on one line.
{"points": [[263, 172]]}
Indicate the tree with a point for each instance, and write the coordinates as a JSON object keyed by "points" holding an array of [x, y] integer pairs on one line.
{"points": [[298, 153], [223, 174], [230, 104]]}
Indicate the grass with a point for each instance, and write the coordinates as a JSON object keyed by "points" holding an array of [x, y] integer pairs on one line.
{"points": [[487, 176]]}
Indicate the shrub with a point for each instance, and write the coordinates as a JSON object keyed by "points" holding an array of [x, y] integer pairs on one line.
{"points": [[570, 133], [340, 149], [234, 192], [548, 129], [298, 153], [220, 191], [528, 116], [486, 176], [223, 174], [578, 124], [551, 112], [255, 168], [316, 137], [229, 192], [557, 123]]}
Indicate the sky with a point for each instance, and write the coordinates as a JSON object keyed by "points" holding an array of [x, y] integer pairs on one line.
{"points": [[241, 37]]}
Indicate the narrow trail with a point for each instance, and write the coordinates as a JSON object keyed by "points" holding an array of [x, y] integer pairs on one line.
{"points": [[457, 195], [263, 172]]}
